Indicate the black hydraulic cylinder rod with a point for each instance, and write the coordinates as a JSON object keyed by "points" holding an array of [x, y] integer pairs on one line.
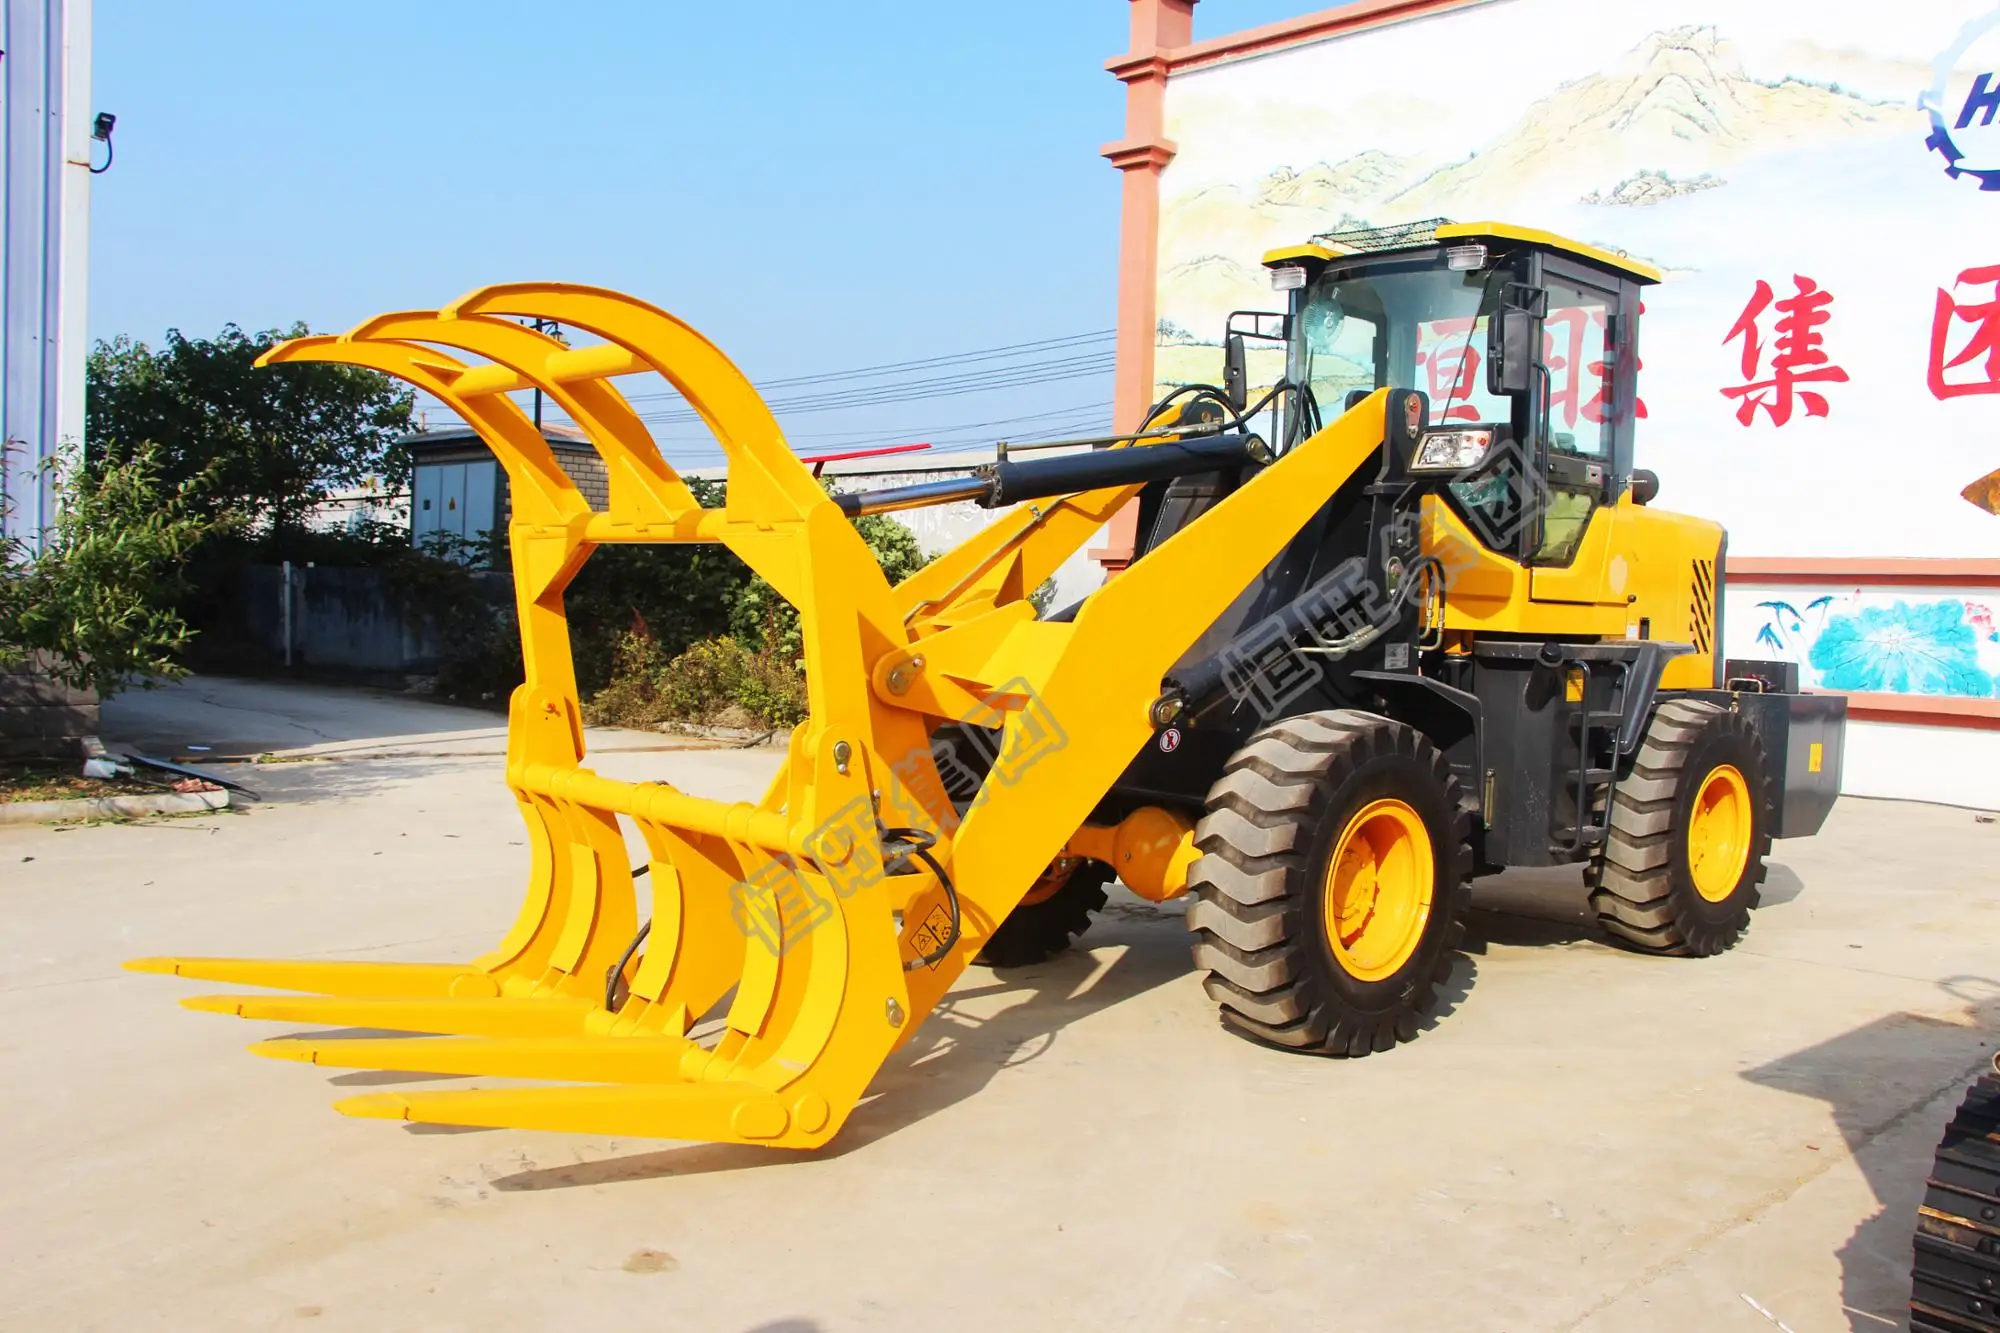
{"points": [[1036, 478], [1011, 482]]}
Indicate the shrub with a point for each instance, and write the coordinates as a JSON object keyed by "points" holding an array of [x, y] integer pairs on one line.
{"points": [[632, 699], [758, 616], [741, 660], [773, 690], [99, 598], [701, 684], [715, 681]]}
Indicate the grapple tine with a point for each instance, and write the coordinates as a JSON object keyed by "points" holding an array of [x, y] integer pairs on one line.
{"points": [[330, 978], [562, 1059], [715, 1112], [552, 1016]]}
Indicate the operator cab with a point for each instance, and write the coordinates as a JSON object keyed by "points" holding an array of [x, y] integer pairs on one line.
{"points": [[1525, 344]]}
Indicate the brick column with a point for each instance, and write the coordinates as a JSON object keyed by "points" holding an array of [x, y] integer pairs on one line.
{"points": [[1158, 26]]}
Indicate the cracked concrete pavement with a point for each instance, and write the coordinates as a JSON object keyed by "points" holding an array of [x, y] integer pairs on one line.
{"points": [[1588, 1140]]}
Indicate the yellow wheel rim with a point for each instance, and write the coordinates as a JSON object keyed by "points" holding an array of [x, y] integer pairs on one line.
{"points": [[1378, 892], [1719, 829]]}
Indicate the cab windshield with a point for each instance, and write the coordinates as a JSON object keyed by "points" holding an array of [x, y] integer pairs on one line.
{"points": [[1405, 325]]}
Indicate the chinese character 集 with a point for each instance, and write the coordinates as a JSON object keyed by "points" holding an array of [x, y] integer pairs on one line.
{"points": [[1799, 357]]}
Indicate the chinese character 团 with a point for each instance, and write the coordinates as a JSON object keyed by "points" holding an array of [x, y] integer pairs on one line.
{"points": [[1982, 341], [1799, 359], [1501, 494]]}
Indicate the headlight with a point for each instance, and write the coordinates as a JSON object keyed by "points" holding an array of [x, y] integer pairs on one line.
{"points": [[1451, 450]]}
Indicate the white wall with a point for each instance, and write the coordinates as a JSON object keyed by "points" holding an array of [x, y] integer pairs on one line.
{"points": [[45, 120], [1728, 142], [1949, 765]]}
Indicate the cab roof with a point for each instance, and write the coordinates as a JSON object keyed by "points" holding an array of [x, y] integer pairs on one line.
{"points": [[1435, 231]]}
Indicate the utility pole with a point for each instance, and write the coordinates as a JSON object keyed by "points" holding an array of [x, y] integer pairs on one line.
{"points": [[548, 326]]}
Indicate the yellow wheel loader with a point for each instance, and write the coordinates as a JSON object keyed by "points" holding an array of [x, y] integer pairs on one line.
{"points": [[1424, 627]]}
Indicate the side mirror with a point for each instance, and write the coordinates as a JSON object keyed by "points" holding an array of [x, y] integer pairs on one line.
{"points": [[1510, 356], [1235, 372]]}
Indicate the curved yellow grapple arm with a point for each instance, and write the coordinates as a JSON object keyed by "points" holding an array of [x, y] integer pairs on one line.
{"points": [[835, 941]]}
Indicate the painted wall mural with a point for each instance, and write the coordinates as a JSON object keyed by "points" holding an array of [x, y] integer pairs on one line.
{"points": [[1821, 368], [1889, 641]]}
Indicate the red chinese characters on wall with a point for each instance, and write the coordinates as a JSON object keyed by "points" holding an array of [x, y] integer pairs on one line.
{"points": [[1596, 409], [1575, 348], [1789, 329], [1965, 336], [1782, 344], [1451, 365]]}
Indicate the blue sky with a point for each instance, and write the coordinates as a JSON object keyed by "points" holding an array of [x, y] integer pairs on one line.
{"points": [[816, 186]]}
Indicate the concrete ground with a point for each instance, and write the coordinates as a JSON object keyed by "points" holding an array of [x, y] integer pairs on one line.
{"points": [[207, 718], [1587, 1140]]}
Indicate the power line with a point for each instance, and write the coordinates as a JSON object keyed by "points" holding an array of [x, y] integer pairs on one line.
{"points": [[892, 367], [933, 433], [914, 432], [1027, 369], [1068, 342], [919, 390], [943, 444]]}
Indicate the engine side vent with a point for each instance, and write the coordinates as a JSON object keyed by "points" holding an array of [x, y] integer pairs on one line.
{"points": [[1701, 606]]}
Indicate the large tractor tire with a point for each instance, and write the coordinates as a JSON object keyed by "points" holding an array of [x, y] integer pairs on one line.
{"points": [[1336, 862], [1052, 914], [1690, 827], [1955, 1273]]}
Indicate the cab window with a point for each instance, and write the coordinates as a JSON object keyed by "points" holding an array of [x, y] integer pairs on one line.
{"points": [[1576, 348]]}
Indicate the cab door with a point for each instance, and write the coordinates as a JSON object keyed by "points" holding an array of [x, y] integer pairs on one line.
{"points": [[1583, 415]]}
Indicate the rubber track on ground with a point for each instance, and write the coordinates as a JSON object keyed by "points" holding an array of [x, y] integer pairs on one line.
{"points": [[1955, 1279]]}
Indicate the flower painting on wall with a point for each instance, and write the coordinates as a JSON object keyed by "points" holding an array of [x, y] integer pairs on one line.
{"points": [[1888, 642]]}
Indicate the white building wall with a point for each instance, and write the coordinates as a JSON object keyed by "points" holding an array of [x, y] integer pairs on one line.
{"points": [[1822, 154], [1948, 765], [45, 120]]}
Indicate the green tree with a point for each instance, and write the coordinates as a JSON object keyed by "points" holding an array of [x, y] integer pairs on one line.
{"points": [[761, 619], [676, 595], [99, 599], [265, 444]]}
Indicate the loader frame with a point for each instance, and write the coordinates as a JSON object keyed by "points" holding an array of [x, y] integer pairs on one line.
{"points": [[842, 905]]}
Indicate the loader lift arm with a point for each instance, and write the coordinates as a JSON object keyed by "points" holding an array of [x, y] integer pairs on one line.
{"points": [[836, 939]]}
